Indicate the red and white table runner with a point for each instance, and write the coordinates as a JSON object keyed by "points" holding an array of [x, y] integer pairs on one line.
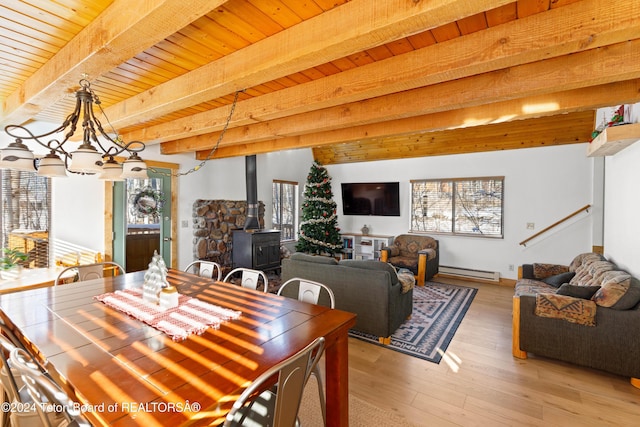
{"points": [[191, 316]]}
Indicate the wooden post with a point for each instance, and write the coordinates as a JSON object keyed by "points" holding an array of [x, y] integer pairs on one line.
{"points": [[422, 268], [384, 340], [515, 321]]}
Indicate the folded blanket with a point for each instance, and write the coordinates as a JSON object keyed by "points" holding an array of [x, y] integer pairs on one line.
{"points": [[570, 309], [406, 279]]}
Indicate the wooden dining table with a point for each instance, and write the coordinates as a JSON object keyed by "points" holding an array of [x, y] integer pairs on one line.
{"points": [[123, 372]]}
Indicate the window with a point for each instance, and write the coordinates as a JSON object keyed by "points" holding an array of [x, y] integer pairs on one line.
{"points": [[285, 210], [466, 206], [26, 212]]}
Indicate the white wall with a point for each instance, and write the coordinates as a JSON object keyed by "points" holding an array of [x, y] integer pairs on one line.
{"points": [[622, 204], [290, 165], [77, 205], [217, 179], [78, 202], [542, 185], [225, 179]]}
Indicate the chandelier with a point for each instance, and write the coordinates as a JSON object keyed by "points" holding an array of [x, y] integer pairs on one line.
{"points": [[92, 157]]}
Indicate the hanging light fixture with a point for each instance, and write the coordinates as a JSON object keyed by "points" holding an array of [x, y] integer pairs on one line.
{"points": [[90, 158]]}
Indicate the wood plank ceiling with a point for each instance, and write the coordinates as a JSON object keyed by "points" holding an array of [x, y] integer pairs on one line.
{"points": [[355, 80]]}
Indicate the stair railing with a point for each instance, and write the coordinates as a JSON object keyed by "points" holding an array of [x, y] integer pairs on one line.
{"points": [[555, 224]]}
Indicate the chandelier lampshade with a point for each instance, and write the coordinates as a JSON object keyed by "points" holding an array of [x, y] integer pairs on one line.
{"points": [[17, 156], [134, 167], [86, 159], [111, 170], [91, 157], [51, 166]]}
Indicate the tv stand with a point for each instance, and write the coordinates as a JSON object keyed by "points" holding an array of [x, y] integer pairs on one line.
{"points": [[363, 247]]}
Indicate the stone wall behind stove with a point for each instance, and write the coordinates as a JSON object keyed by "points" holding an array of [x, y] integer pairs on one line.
{"points": [[213, 225]]}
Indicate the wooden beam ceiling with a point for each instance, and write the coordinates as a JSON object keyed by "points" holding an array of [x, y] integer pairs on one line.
{"points": [[120, 32], [354, 80], [499, 48], [349, 29], [540, 132], [546, 105]]}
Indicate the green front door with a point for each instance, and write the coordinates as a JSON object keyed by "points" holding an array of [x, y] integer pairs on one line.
{"points": [[142, 220]]}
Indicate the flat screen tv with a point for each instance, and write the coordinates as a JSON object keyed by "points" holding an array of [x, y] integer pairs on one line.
{"points": [[371, 198]]}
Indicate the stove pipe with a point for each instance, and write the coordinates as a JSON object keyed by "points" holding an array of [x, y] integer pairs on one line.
{"points": [[251, 223]]}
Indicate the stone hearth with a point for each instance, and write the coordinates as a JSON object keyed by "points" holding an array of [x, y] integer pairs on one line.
{"points": [[213, 225]]}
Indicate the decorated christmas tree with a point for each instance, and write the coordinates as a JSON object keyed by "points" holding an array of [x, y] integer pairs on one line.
{"points": [[319, 232]]}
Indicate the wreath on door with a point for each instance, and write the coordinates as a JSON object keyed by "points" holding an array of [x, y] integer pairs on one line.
{"points": [[148, 201]]}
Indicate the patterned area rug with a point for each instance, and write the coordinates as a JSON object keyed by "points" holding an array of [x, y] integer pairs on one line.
{"points": [[438, 310]]}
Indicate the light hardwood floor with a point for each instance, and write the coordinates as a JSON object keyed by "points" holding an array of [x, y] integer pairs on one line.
{"points": [[479, 383]]}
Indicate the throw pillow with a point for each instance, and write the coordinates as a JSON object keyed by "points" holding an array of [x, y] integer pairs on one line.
{"points": [[631, 298], [620, 293], [583, 292], [541, 270], [612, 291], [559, 279]]}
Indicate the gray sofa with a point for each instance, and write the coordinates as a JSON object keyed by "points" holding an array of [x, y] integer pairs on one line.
{"points": [[587, 313], [370, 289]]}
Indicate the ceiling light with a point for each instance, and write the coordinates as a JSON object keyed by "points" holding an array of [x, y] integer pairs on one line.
{"points": [[90, 158]]}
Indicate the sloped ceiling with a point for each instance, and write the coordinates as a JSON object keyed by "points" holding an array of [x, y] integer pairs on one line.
{"points": [[355, 80]]}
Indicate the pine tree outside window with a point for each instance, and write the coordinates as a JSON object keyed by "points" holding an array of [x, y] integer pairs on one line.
{"points": [[25, 201], [285, 209], [465, 206]]}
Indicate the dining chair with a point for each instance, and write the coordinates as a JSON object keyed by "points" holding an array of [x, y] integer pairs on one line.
{"points": [[9, 378], [205, 269], [89, 271], [277, 406], [308, 291], [250, 278], [46, 394], [15, 393], [313, 293]]}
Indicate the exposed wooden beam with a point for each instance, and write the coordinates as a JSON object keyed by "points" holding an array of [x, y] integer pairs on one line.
{"points": [[585, 99], [519, 42], [125, 29], [565, 129], [350, 28], [585, 69]]}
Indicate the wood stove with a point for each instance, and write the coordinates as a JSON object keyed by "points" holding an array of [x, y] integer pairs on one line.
{"points": [[256, 249], [252, 247]]}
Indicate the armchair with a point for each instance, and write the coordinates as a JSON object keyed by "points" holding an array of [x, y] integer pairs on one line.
{"points": [[420, 254]]}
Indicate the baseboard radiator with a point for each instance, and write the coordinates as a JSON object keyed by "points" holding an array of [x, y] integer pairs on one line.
{"points": [[468, 273]]}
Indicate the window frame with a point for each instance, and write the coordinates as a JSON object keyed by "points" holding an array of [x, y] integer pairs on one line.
{"points": [[278, 212], [453, 182], [40, 195]]}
